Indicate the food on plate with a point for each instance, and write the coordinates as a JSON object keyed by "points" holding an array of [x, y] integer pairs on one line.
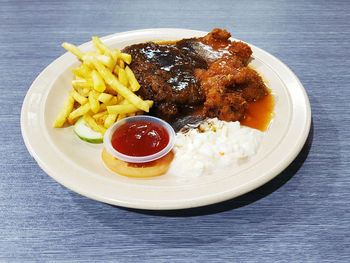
{"points": [[207, 76], [139, 170], [103, 91], [213, 145], [259, 113], [140, 138], [139, 146], [203, 87], [84, 132], [166, 76], [65, 111]]}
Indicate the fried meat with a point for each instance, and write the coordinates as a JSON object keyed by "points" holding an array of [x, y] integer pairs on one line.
{"points": [[208, 73]]}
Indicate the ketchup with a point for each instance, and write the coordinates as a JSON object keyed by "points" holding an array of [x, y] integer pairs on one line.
{"points": [[140, 138]]}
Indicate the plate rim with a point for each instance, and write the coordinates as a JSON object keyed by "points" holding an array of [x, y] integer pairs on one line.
{"points": [[189, 203]]}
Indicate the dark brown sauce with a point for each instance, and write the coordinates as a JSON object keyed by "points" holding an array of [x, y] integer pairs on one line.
{"points": [[178, 67]]}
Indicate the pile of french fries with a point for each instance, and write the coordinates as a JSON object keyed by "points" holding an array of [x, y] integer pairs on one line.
{"points": [[103, 89]]}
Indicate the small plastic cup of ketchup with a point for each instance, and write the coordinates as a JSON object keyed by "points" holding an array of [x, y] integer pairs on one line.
{"points": [[139, 139]]}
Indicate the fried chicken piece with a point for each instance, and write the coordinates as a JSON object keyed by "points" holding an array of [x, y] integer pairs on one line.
{"points": [[225, 106], [219, 101], [250, 84], [218, 39], [228, 86], [216, 34]]}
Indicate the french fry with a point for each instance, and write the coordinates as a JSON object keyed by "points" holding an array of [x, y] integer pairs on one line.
{"points": [[94, 103], [98, 82], [83, 71], [125, 57], [121, 63], [125, 109], [121, 116], [106, 51], [113, 82], [111, 91], [80, 111], [64, 113], [104, 87], [92, 53], [123, 77], [105, 97], [116, 70], [74, 49], [114, 100], [101, 47], [115, 54], [93, 124], [82, 83], [96, 41], [78, 97], [107, 61], [121, 109], [134, 84], [82, 91], [110, 120], [100, 115], [123, 102]]}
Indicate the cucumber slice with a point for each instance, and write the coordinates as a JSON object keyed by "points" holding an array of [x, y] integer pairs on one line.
{"points": [[84, 132]]}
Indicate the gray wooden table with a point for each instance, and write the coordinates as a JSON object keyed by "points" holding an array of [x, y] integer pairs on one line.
{"points": [[303, 215]]}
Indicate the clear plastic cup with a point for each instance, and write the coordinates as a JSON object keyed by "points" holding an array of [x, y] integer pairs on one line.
{"points": [[138, 159]]}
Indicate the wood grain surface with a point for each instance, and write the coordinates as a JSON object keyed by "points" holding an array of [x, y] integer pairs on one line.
{"points": [[303, 215]]}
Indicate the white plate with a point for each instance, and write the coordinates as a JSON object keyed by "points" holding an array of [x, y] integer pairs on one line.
{"points": [[78, 166]]}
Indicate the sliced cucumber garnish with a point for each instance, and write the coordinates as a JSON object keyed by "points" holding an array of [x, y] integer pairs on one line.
{"points": [[87, 134]]}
